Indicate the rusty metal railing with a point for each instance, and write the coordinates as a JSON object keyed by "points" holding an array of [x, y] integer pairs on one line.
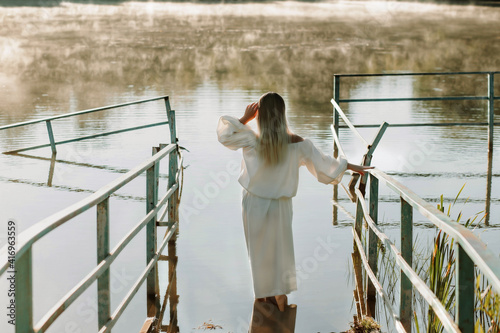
{"points": [[156, 210], [471, 250], [48, 122]]}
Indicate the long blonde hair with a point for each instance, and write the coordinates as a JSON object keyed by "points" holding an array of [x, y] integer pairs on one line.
{"points": [[274, 133]]}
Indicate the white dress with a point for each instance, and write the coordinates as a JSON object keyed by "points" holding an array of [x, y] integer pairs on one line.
{"points": [[267, 203]]}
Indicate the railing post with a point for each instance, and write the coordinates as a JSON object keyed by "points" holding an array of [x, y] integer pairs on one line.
{"points": [[358, 222], [336, 97], [465, 291], [172, 284], [372, 246], [491, 123], [51, 137], [24, 293], [172, 202], [103, 282], [153, 307], [405, 308]]}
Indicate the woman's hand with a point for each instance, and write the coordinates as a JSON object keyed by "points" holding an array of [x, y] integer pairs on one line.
{"points": [[250, 113], [358, 168]]}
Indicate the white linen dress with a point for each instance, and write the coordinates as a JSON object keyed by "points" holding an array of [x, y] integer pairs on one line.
{"points": [[267, 203]]}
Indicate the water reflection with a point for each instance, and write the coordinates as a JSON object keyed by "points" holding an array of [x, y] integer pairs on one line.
{"points": [[267, 318], [171, 297]]}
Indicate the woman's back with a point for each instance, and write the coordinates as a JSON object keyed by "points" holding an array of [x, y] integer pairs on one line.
{"points": [[281, 179]]}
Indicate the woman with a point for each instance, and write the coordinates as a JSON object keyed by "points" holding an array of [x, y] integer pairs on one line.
{"points": [[269, 176]]}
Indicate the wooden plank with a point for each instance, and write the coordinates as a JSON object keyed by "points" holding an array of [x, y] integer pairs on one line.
{"points": [[24, 292], [443, 315], [406, 290], [148, 325], [371, 275], [465, 292], [484, 258], [103, 282], [358, 277]]}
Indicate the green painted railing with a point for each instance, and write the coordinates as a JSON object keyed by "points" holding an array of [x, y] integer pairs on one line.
{"points": [[156, 210], [48, 121], [472, 252]]}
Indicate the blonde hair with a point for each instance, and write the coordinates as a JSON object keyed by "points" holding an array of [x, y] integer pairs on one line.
{"points": [[274, 133]]}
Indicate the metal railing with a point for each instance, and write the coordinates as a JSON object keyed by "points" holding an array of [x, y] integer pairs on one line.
{"points": [[48, 122], [471, 250], [156, 210]]}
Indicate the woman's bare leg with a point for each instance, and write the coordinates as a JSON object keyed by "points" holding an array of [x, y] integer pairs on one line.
{"points": [[281, 301]]}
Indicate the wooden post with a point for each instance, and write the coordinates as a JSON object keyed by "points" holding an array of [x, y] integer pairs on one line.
{"points": [[405, 307], [24, 293], [491, 123], [372, 247], [51, 170], [51, 137], [103, 282], [172, 171], [153, 307], [336, 97], [465, 291], [358, 223], [172, 284]]}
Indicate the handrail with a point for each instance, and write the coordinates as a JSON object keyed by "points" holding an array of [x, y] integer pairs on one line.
{"points": [[424, 290], [337, 141], [105, 256], [414, 74], [74, 293], [346, 120], [37, 231], [471, 250], [48, 121], [34, 233], [77, 113], [486, 260]]}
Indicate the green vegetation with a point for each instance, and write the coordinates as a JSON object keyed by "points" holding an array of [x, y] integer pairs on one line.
{"points": [[438, 271]]}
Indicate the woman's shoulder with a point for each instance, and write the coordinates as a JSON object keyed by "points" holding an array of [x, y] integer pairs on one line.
{"points": [[296, 138]]}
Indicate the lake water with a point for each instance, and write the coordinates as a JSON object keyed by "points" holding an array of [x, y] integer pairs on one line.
{"points": [[214, 59]]}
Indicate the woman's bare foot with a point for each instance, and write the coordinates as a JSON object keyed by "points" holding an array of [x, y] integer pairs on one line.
{"points": [[281, 301]]}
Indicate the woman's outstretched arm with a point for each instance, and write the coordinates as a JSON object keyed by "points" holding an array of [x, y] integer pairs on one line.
{"points": [[358, 168]]}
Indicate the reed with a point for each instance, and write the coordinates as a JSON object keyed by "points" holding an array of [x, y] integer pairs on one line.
{"points": [[438, 270]]}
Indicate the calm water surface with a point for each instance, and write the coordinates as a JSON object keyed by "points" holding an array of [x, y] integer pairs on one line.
{"points": [[214, 60]]}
